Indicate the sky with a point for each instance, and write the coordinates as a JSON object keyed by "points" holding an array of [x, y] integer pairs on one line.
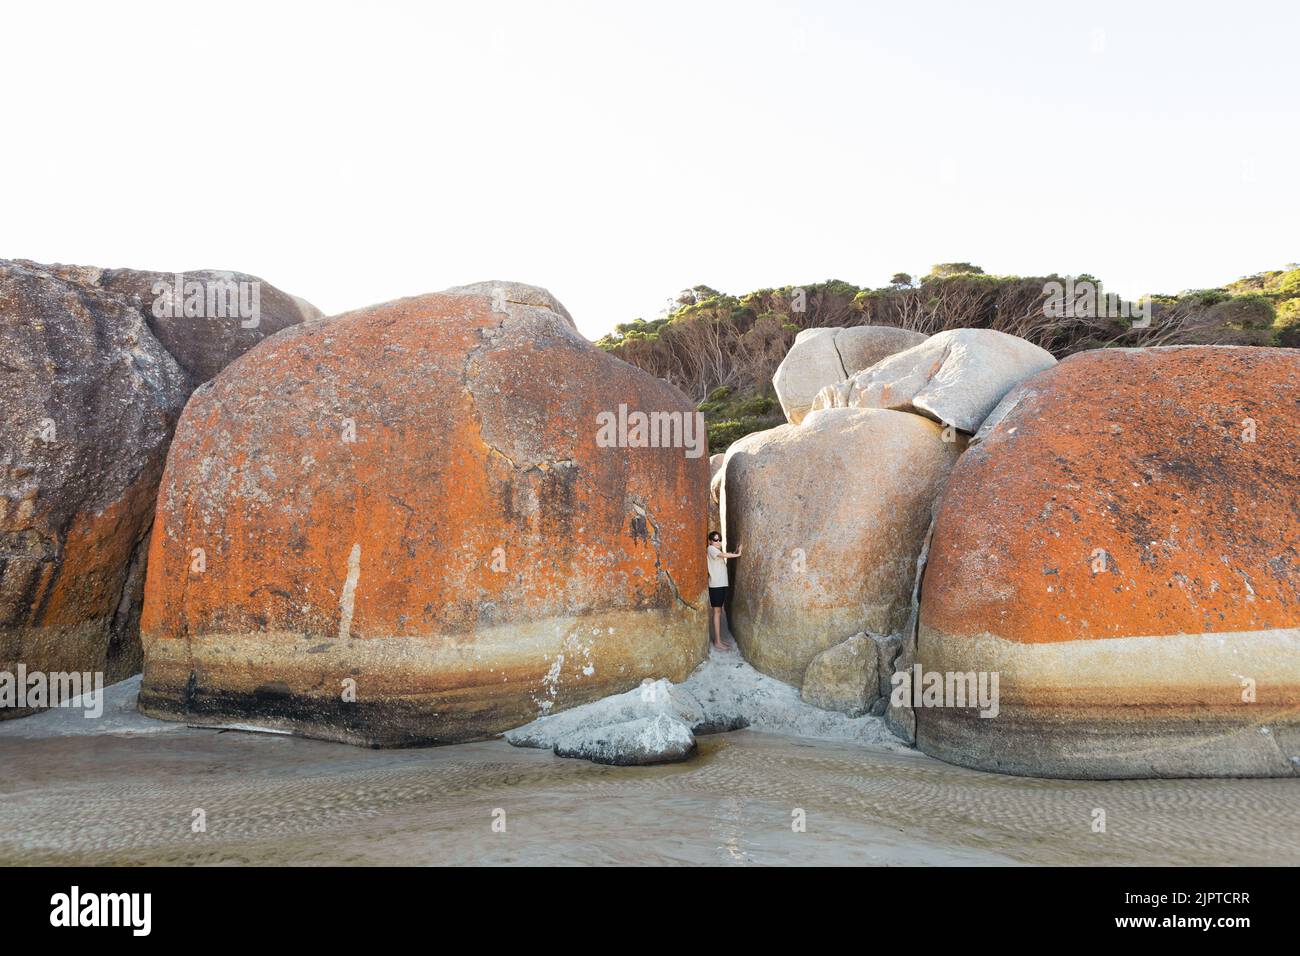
{"points": [[616, 153]]}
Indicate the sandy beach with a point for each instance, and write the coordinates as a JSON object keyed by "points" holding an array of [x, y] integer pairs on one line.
{"points": [[123, 790]]}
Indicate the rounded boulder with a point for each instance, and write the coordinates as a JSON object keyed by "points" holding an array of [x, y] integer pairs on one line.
{"points": [[821, 357], [410, 524], [1122, 551], [831, 515]]}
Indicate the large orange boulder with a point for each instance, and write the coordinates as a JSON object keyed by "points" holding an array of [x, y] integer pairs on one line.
{"points": [[1122, 550], [413, 524]]}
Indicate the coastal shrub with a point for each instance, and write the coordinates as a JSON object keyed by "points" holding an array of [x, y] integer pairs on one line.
{"points": [[1286, 327], [722, 350]]}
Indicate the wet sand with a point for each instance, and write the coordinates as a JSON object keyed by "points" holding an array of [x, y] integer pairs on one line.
{"points": [[128, 798]]}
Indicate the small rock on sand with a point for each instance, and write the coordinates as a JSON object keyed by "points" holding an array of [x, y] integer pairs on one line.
{"points": [[723, 694], [633, 743]]}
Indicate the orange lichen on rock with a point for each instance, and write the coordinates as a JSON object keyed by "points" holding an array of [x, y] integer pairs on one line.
{"points": [[1123, 548], [91, 390], [408, 506]]}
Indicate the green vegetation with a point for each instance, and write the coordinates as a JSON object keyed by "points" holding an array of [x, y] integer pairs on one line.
{"points": [[1280, 290], [730, 416], [946, 269], [722, 350]]}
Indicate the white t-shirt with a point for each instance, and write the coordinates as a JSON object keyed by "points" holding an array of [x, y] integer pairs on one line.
{"points": [[717, 567]]}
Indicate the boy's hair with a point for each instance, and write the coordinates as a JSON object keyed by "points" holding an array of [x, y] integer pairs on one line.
{"points": [[713, 535]]}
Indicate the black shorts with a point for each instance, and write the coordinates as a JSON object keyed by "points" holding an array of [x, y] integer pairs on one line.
{"points": [[717, 596]]}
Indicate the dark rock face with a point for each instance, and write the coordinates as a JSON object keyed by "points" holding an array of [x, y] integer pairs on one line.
{"points": [[90, 397], [235, 312], [90, 401]]}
